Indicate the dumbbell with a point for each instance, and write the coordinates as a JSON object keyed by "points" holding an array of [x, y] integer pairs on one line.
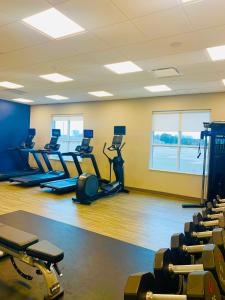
{"points": [[217, 203], [168, 275], [195, 234], [200, 285], [211, 209], [210, 215], [199, 221], [183, 247], [193, 237], [220, 199]]}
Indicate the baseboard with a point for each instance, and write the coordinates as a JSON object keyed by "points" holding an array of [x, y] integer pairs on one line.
{"points": [[164, 194]]}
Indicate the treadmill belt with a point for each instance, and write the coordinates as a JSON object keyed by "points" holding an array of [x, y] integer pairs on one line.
{"points": [[10, 174], [38, 178], [68, 184]]}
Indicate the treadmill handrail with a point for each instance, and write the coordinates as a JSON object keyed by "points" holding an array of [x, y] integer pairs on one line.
{"points": [[75, 160]]}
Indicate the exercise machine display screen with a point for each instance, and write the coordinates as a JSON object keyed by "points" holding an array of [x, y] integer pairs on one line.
{"points": [[32, 131], [56, 132], [119, 130], [88, 133]]}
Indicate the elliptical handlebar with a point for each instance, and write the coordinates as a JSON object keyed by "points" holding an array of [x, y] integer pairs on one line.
{"points": [[105, 152], [121, 147]]}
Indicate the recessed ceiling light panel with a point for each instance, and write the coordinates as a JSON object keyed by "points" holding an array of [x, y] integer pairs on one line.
{"points": [[189, 1], [123, 67], [10, 85], [158, 88], [53, 23], [57, 97], [56, 77], [22, 100], [165, 72], [217, 53], [100, 94]]}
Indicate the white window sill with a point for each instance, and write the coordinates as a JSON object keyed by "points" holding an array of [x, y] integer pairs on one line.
{"points": [[176, 172]]}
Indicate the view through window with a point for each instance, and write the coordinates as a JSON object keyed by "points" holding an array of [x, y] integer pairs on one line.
{"points": [[71, 127], [175, 141]]}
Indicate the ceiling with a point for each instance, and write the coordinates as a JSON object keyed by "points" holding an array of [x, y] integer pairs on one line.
{"points": [[151, 33]]}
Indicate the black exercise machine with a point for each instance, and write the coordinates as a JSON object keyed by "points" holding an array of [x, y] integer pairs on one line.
{"points": [[91, 187], [22, 152], [52, 148], [214, 140], [82, 151]]}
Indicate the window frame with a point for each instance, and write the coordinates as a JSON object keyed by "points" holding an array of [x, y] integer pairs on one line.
{"points": [[177, 146], [68, 140]]}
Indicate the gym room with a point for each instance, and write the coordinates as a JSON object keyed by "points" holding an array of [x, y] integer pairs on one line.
{"points": [[112, 149]]}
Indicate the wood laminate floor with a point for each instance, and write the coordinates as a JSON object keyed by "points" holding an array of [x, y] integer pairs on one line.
{"points": [[138, 218]]}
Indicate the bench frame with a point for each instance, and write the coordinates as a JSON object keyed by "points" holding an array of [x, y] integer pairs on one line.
{"points": [[54, 289]]}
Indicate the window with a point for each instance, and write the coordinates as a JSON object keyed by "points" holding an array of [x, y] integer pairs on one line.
{"points": [[175, 141], [71, 127]]}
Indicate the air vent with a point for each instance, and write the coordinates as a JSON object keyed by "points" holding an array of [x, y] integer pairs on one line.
{"points": [[166, 72], [14, 91]]}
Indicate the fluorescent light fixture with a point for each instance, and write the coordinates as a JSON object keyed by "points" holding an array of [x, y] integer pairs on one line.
{"points": [[217, 53], [158, 88], [10, 85], [57, 97], [123, 67], [53, 23], [23, 100], [100, 94], [223, 81], [56, 77], [166, 72], [189, 1]]}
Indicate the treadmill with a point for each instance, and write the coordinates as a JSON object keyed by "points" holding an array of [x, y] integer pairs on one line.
{"points": [[51, 148], [25, 148], [83, 151]]}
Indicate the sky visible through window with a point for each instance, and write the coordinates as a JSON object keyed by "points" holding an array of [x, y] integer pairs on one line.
{"points": [[175, 141]]}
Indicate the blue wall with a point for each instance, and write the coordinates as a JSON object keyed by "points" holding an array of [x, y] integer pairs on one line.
{"points": [[14, 124]]}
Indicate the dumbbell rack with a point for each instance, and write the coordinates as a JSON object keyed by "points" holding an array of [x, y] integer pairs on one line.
{"points": [[193, 268]]}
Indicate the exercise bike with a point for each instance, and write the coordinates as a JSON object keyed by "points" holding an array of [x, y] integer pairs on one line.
{"points": [[90, 187]]}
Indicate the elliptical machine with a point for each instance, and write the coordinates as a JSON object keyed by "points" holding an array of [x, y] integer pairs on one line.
{"points": [[90, 187]]}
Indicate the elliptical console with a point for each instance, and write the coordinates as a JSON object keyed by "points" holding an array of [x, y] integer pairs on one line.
{"points": [[90, 187]]}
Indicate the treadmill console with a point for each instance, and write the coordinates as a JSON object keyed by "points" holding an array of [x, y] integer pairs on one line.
{"points": [[29, 144], [119, 132], [85, 145], [52, 145]]}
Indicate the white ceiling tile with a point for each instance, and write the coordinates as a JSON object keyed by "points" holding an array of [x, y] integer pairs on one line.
{"points": [[181, 43], [176, 60], [121, 34], [19, 9], [157, 34], [5, 19], [164, 23], [17, 36], [137, 8], [92, 14], [207, 13]]}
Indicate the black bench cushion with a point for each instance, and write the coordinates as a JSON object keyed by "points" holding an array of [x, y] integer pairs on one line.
{"points": [[16, 239], [46, 251]]}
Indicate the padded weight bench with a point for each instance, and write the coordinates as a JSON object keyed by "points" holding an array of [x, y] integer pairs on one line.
{"points": [[42, 255]]}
